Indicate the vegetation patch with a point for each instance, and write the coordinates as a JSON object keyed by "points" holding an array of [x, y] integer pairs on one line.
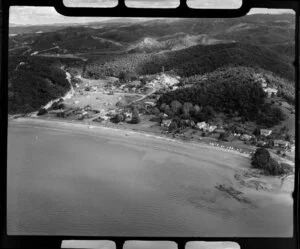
{"points": [[262, 159]]}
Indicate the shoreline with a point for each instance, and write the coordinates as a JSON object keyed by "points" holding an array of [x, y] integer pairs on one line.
{"points": [[87, 127]]}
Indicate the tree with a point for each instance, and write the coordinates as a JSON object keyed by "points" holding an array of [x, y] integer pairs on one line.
{"points": [[185, 115], [173, 126], [260, 158], [197, 109], [135, 116], [187, 108], [256, 132], [42, 111], [118, 118], [168, 111], [162, 107], [176, 106]]}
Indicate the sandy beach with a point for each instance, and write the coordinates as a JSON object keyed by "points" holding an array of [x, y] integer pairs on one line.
{"points": [[151, 185]]}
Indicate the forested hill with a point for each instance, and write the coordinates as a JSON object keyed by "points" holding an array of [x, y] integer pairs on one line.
{"points": [[233, 91], [33, 82], [194, 60], [200, 59]]}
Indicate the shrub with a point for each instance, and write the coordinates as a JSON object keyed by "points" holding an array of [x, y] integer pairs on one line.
{"points": [[135, 116], [176, 106], [135, 120], [42, 111], [173, 126], [156, 119], [120, 104], [118, 118]]}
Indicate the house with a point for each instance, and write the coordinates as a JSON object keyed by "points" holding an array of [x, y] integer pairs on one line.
{"points": [[281, 144], [245, 137], [135, 83], [265, 132], [270, 90], [210, 128], [166, 123], [292, 147], [201, 125], [150, 103]]}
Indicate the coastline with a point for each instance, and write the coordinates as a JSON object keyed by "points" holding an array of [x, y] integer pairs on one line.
{"points": [[93, 127]]}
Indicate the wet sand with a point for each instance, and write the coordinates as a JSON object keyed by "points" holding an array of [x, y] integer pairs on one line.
{"points": [[104, 181]]}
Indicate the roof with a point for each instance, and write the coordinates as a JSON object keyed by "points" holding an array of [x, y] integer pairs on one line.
{"points": [[265, 131], [278, 141]]}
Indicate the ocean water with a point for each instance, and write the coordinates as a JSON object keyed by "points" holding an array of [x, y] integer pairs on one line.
{"points": [[64, 182]]}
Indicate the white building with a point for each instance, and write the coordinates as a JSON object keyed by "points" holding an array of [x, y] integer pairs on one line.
{"points": [[201, 125], [281, 144], [270, 90], [265, 132]]}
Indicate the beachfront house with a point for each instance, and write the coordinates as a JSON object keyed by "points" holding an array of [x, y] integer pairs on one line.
{"points": [[201, 125], [265, 132], [292, 147], [210, 128], [281, 144], [206, 127], [270, 91]]}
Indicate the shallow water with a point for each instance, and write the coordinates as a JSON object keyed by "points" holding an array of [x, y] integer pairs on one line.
{"points": [[70, 183]]}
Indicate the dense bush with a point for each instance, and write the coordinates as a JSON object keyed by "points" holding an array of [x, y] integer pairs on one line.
{"points": [[202, 59], [34, 84], [262, 159], [191, 61], [42, 111], [230, 90], [135, 116], [118, 118], [270, 117]]}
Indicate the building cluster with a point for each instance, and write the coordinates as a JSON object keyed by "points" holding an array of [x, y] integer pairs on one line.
{"points": [[261, 140]]}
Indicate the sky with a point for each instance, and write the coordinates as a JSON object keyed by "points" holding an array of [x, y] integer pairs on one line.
{"points": [[23, 15]]}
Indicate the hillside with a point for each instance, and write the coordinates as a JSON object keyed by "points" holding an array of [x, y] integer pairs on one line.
{"points": [[234, 91], [186, 46], [197, 59], [33, 83], [166, 34]]}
